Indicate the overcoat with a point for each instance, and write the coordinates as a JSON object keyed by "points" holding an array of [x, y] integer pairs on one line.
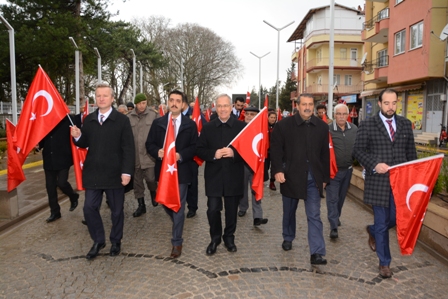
{"points": [[293, 143], [186, 139], [223, 177], [111, 150], [373, 145]]}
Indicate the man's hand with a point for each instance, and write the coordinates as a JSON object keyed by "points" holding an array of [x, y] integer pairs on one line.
{"points": [[161, 153], [381, 168], [225, 152], [280, 177], [75, 131], [125, 179]]}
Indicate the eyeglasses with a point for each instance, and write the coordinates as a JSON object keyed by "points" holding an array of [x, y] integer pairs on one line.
{"points": [[341, 114], [222, 106]]}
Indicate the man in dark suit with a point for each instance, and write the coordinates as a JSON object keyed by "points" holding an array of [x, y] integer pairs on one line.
{"points": [[302, 167], [186, 136], [238, 106], [57, 157], [223, 174], [107, 168], [383, 140]]}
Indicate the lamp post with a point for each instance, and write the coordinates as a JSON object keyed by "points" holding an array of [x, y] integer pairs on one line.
{"points": [[141, 76], [99, 64], [12, 59], [259, 77], [278, 55], [76, 75], [133, 74]]}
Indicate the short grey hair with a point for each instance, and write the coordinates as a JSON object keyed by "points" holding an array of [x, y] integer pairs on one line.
{"points": [[339, 106], [106, 85], [224, 95]]}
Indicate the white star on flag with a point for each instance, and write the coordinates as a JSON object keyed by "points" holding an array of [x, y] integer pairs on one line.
{"points": [[33, 116], [171, 168]]}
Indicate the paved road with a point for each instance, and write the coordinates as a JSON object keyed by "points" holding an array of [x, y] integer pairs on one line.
{"points": [[40, 260]]}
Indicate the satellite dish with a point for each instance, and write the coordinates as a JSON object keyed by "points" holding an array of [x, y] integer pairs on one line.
{"points": [[364, 58], [444, 33]]}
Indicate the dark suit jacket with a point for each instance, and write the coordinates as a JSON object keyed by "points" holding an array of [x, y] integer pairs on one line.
{"points": [[223, 177], [111, 150], [293, 142], [186, 139], [373, 146], [57, 153]]}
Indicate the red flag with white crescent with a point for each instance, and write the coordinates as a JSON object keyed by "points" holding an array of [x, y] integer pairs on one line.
{"points": [[15, 160], [333, 165], [266, 101], [79, 156], [197, 119], [161, 112], [412, 184], [248, 98], [208, 113], [256, 134], [168, 188], [43, 109]]}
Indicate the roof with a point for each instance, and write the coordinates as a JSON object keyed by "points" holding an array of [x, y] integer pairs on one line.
{"points": [[298, 33]]}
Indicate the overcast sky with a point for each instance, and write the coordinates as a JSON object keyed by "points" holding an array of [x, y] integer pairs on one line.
{"points": [[241, 23]]}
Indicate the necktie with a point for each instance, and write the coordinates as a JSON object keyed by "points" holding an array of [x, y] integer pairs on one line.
{"points": [[391, 129], [101, 119], [174, 125]]}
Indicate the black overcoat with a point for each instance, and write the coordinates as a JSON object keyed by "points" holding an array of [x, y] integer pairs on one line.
{"points": [[223, 177], [186, 139], [111, 150], [373, 145], [293, 142]]}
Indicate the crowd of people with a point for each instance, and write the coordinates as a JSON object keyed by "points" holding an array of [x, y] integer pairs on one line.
{"points": [[127, 148]]}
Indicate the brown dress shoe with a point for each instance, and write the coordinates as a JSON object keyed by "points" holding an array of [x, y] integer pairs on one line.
{"points": [[176, 252], [385, 271], [371, 241]]}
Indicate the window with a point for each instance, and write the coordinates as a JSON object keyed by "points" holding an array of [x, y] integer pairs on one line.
{"points": [[348, 79], [353, 53], [337, 79], [343, 53], [319, 54], [400, 39], [382, 58], [319, 80], [416, 35], [398, 1], [383, 14]]}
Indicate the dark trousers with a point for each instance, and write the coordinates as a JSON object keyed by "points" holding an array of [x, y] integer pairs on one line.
{"points": [[178, 218], [54, 179], [336, 192], [214, 205], [192, 194], [92, 206], [383, 219]]}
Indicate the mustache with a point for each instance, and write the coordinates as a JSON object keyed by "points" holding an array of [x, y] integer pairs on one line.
{"points": [[174, 106], [307, 110]]}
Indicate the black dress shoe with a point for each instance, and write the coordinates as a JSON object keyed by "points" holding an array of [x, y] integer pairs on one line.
{"points": [[317, 259], [230, 247], [241, 213], [191, 214], [259, 221], [211, 248], [334, 233], [115, 249], [84, 222], [53, 217], [74, 202], [95, 250], [287, 245]]}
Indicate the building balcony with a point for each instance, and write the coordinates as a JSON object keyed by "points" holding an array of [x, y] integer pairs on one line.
{"points": [[376, 71], [295, 56], [319, 64], [376, 30], [339, 90]]}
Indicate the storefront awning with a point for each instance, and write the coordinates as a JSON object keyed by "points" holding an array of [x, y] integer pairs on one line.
{"points": [[372, 92]]}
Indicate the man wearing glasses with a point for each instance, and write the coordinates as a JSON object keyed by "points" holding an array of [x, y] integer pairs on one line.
{"points": [[343, 134]]}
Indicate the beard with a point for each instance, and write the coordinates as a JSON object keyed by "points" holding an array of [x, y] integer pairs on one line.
{"points": [[387, 115]]}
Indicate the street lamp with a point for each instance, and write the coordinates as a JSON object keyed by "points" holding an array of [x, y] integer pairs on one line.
{"points": [[141, 76], [99, 64], [259, 77], [278, 55], [133, 74], [12, 57], [76, 74]]}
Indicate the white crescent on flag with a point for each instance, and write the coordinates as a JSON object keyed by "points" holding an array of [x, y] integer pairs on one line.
{"points": [[415, 188], [48, 97], [255, 142], [171, 147]]}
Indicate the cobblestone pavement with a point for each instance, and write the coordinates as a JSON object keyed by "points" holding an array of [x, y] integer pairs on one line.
{"points": [[40, 260]]}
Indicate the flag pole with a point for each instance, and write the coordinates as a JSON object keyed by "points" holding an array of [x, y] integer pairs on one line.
{"points": [[258, 114], [70, 120]]}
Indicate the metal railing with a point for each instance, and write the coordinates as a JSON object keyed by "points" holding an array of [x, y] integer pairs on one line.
{"points": [[381, 15]]}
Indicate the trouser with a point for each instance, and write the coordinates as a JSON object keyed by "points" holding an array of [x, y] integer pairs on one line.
{"points": [[144, 175], [92, 206], [178, 218], [257, 210], [214, 205], [192, 195], [336, 192], [54, 179]]}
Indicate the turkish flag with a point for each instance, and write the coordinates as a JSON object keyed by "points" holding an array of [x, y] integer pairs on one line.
{"points": [[15, 160], [256, 133], [412, 183], [324, 118], [79, 156], [333, 165], [161, 112], [43, 109], [197, 119], [168, 188], [279, 115], [242, 115], [248, 98], [349, 119], [86, 111], [266, 101], [207, 114]]}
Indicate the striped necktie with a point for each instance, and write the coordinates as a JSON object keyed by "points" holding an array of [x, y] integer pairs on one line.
{"points": [[391, 129], [101, 119]]}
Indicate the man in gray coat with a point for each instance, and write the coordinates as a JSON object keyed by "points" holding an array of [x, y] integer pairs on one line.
{"points": [[383, 140], [141, 119], [300, 160]]}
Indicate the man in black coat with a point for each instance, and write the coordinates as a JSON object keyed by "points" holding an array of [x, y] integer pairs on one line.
{"points": [[107, 168], [223, 174], [57, 157], [383, 140], [186, 137], [300, 160]]}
